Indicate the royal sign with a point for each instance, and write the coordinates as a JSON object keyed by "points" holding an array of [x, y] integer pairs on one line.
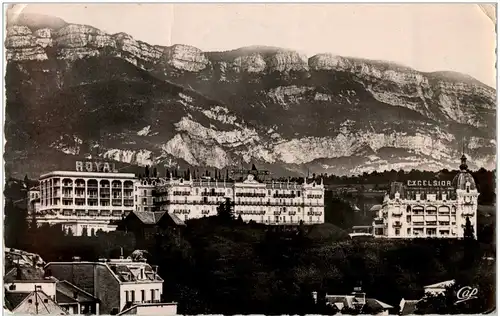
{"points": [[428, 183], [95, 166]]}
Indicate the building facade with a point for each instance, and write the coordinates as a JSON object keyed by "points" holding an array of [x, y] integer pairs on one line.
{"points": [[84, 201], [271, 203], [429, 208], [94, 196], [117, 283]]}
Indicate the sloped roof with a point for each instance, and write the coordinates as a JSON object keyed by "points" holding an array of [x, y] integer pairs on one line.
{"points": [[149, 218], [46, 305], [152, 218], [440, 285], [66, 292], [340, 301], [374, 304], [12, 300], [177, 220], [26, 273], [408, 307], [376, 207]]}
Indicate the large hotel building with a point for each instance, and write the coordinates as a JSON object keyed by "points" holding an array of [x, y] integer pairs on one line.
{"points": [[94, 196], [429, 209]]}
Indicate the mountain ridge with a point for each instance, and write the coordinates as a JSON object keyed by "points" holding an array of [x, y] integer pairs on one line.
{"points": [[275, 108]]}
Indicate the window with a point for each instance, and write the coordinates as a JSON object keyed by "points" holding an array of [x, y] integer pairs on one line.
{"points": [[133, 296], [127, 298], [408, 231], [397, 232], [143, 295], [145, 193], [152, 295]]}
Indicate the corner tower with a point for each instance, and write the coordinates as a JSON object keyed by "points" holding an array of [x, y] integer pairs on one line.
{"points": [[467, 196]]}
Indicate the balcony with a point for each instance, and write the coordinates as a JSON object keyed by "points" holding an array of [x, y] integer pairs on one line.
{"points": [[211, 194], [254, 195], [284, 196]]}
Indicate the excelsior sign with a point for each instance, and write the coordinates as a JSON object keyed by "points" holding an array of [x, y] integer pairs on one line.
{"points": [[95, 166], [428, 183]]}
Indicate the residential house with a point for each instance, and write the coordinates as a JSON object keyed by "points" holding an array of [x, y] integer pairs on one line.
{"points": [[116, 283], [34, 302], [356, 302], [145, 224]]}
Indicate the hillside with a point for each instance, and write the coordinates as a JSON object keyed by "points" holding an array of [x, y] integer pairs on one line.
{"points": [[74, 91]]}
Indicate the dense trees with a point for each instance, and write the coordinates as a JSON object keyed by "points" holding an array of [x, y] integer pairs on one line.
{"points": [[236, 268], [15, 224]]}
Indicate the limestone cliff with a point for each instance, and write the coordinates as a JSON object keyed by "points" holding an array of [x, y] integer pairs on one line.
{"points": [[116, 97]]}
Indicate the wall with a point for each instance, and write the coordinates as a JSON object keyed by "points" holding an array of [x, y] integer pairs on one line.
{"points": [[137, 287], [152, 310], [94, 278]]}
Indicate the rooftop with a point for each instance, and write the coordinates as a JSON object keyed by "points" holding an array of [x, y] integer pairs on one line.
{"points": [[151, 218], [68, 293]]}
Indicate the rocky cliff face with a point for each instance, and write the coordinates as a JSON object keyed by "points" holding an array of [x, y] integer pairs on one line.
{"points": [[76, 90]]}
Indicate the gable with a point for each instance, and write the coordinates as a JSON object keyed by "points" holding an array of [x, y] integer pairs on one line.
{"points": [[39, 303]]}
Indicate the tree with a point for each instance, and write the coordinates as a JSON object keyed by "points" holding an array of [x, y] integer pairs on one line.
{"points": [[468, 230], [16, 225], [225, 211]]}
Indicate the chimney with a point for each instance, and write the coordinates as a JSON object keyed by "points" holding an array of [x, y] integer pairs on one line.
{"points": [[315, 297], [19, 274]]}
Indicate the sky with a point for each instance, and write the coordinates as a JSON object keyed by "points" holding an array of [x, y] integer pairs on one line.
{"points": [[427, 37]]}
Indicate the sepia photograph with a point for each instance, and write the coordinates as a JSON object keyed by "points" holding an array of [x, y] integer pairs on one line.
{"points": [[168, 159]]}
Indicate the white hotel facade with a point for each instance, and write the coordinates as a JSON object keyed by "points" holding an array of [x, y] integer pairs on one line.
{"points": [[94, 195], [271, 203], [429, 209]]}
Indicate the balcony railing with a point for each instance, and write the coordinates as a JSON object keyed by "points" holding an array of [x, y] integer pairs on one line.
{"points": [[212, 193]]}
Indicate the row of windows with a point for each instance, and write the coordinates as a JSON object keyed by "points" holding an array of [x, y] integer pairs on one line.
{"points": [[154, 296]]}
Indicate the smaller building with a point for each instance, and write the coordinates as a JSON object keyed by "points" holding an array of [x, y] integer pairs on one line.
{"points": [[118, 284], [356, 302], [408, 307], [32, 303], [145, 224], [438, 288]]}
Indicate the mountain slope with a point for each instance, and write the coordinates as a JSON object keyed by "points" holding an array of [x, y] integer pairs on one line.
{"points": [[76, 90]]}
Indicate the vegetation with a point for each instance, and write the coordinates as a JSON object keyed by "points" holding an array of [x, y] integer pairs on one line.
{"points": [[229, 267]]}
